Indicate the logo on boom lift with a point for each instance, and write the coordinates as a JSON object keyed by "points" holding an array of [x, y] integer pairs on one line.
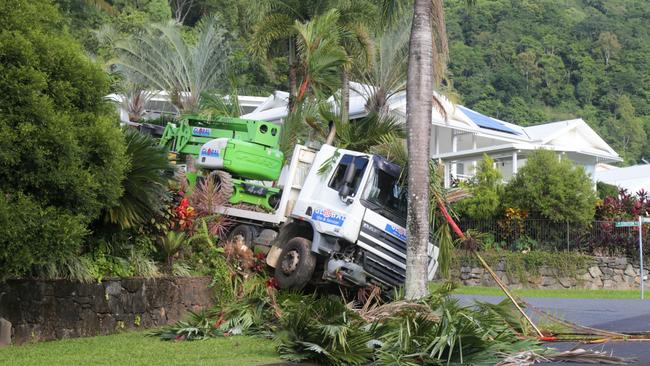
{"points": [[210, 152], [201, 131]]}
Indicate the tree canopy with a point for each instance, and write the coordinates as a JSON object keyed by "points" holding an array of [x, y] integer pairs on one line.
{"points": [[552, 188], [62, 158]]}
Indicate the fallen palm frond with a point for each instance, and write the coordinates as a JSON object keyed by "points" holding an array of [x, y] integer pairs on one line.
{"points": [[395, 309], [577, 355]]}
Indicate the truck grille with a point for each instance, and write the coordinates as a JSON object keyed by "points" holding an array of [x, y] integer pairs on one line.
{"points": [[384, 255], [383, 270]]}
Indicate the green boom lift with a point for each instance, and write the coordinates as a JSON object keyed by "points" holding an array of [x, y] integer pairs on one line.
{"points": [[234, 151]]}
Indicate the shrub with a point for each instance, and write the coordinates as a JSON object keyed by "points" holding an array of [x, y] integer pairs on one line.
{"points": [[61, 151], [171, 244], [485, 192], [605, 190], [551, 188], [33, 234]]}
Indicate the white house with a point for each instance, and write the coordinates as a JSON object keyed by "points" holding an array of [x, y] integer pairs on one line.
{"points": [[460, 138]]}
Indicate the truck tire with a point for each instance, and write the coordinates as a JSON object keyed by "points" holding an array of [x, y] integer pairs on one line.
{"points": [[247, 232], [223, 180], [296, 264]]}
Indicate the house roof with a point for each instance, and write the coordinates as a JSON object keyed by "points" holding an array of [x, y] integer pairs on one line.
{"points": [[633, 178]]}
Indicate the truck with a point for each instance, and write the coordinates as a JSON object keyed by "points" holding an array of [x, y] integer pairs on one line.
{"points": [[338, 216]]}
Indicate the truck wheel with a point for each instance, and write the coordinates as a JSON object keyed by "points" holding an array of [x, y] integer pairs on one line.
{"points": [[223, 180], [246, 231], [296, 264]]}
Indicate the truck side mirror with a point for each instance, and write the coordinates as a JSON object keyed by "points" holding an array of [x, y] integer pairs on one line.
{"points": [[344, 191], [348, 180]]}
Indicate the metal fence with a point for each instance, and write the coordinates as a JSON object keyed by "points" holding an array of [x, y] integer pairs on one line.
{"points": [[599, 237]]}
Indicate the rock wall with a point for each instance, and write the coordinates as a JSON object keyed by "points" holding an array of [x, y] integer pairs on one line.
{"points": [[45, 310], [602, 273]]}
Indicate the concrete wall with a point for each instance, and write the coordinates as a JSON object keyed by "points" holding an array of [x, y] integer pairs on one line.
{"points": [[603, 273], [45, 310]]}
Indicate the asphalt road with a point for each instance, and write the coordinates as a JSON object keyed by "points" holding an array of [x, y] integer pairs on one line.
{"points": [[614, 315]]}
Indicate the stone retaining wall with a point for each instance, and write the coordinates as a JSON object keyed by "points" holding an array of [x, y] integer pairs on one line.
{"points": [[45, 310], [603, 273]]}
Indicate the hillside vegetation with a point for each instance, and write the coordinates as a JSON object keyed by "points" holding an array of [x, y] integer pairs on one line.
{"points": [[523, 61], [534, 61]]}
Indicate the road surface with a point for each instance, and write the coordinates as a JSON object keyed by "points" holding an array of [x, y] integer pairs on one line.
{"points": [[614, 315]]}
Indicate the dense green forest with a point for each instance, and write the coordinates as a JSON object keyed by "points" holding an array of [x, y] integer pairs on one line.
{"points": [[537, 61], [523, 61]]}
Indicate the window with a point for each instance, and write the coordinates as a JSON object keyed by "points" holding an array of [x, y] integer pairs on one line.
{"points": [[385, 191], [360, 163]]}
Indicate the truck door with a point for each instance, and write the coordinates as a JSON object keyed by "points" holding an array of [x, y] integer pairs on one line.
{"points": [[331, 200]]}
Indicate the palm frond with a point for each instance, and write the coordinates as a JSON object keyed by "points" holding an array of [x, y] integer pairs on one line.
{"points": [[272, 28], [321, 56], [214, 104], [445, 245], [172, 243], [386, 75], [144, 183], [577, 355], [165, 60], [296, 126], [365, 133]]}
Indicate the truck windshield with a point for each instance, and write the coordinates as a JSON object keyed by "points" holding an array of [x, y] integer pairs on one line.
{"points": [[385, 195]]}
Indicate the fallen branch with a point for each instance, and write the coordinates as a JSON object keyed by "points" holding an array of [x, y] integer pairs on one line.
{"points": [[580, 355]]}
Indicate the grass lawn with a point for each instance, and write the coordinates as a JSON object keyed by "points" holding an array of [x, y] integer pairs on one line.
{"points": [[135, 348], [573, 293]]}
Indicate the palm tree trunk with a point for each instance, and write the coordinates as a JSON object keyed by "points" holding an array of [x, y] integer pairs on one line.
{"points": [[292, 75], [345, 106], [419, 94]]}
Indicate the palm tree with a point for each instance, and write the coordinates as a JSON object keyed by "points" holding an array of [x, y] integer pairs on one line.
{"points": [[359, 47], [320, 55], [134, 101], [425, 68], [386, 76], [365, 134], [274, 34], [167, 61]]}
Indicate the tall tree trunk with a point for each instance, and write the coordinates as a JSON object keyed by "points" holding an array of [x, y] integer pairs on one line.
{"points": [[292, 75], [345, 106], [419, 94]]}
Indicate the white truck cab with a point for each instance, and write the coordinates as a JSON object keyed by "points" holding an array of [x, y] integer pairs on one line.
{"points": [[347, 224]]}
